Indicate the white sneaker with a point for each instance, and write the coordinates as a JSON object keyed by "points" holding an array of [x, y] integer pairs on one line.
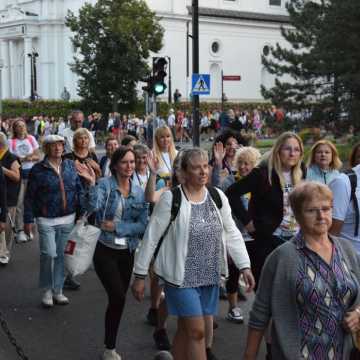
{"points": [[21, 237], [235, 315], [4, 260], [30, 237], [60, 299], [47, 299], [111, 355]]}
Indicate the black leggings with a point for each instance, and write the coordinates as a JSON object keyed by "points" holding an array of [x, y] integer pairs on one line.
{"points": [[232, 283], [114, 269]]}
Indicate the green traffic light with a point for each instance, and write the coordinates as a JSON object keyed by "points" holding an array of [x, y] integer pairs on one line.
{"points": [[159, 88]]}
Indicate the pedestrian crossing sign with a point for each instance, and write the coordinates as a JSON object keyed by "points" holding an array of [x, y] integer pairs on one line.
{"points": [[200, 84]]}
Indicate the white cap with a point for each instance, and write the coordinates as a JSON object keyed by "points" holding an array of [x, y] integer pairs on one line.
{"points": [[50, 139], [171, 110]]}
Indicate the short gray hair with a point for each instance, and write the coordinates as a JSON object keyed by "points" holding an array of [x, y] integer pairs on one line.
{"points": [[189, 154], [140, 149]]}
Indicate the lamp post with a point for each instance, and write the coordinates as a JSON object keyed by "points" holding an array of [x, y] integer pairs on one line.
{"points": [[33, 55], [1, 67], [169, 81]]}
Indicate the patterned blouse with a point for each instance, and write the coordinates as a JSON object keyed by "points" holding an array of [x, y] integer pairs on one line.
{"points": [[202, 264], [325, 292]]}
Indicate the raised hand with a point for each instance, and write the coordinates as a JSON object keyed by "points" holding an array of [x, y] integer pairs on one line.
{"points": [[86, 172], [153, 162], [219, 153]]}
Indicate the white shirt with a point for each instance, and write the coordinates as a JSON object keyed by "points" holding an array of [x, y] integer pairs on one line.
{"points": [[165, 167], [343, 208], [68, 134], [171, 120], [23, 148]]}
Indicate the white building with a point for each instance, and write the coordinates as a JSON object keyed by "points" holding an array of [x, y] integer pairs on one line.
{"points": [[233, 35]]}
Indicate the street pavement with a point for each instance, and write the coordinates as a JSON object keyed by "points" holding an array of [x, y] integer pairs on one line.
{"points": [[75, 332]]}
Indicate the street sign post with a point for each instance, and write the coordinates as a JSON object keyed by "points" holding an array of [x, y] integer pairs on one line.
{"points": [[231, 77], [200, 84], [226, 78]]}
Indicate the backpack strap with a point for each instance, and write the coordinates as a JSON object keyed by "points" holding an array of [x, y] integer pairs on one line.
{"points": [[175, 206], [353, 182], [215, 196], [13, 144], [31, 141]]}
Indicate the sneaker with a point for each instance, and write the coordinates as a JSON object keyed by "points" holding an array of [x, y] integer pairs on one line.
{"points": [[235, 315], [161, 340], [71, 284], [30, 237], [110, 355], [163, 355], [47, 299], [21, 237], [210, 355], [60, 299], [151, 317], [4, 260]]}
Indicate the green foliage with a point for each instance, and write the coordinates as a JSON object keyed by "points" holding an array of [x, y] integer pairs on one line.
{"points": [[113, 39], [13, 108], [322, 58]]}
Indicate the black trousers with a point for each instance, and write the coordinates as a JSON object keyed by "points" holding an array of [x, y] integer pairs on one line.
{"points": [[114, 269], [232, 283]]}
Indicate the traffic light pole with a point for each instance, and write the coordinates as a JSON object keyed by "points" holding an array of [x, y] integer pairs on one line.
{"points": [[195, 98]]}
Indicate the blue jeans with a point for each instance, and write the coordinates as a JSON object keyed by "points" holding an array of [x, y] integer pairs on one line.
{"points": [[53, 241]]}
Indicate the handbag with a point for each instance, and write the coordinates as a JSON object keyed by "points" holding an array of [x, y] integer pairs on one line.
{"points": [[80, 247]]}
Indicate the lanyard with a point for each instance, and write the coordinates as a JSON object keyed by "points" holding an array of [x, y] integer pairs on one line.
{"points": [[139, 178], [166, 164]]}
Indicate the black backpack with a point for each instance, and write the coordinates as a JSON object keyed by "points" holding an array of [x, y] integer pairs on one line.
{"points": [[353, 182], [175, 206]]}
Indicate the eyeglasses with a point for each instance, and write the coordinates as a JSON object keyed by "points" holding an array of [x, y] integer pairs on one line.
{"points": [[291, 149], [316, 211]]}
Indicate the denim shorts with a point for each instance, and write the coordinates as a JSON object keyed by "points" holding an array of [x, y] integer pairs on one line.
{"points": [[200, 301]]}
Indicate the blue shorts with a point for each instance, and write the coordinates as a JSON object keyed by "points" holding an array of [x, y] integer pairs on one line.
{"points": [[200, 301]]}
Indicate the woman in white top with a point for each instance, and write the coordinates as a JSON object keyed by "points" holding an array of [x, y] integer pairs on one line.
{"points": [[142, 172], [164, 151], [26, 148]]}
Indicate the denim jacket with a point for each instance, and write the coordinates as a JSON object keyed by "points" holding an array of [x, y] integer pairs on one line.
{"points": [[50, 195], [104, 198]]}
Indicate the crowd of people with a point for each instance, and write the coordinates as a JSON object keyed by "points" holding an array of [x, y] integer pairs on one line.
{"points": [[189, 219]]}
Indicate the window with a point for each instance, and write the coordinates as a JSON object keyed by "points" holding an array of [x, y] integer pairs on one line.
{"points": [[275, 2], [215, 47], [266, 50]]}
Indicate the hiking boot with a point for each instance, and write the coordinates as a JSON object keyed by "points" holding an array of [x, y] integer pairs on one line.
{"points": [[235, 315], [210, 355], [71, 284], [161, 340], [110, 355], [47, 299], [152, 317], [60, 299]]}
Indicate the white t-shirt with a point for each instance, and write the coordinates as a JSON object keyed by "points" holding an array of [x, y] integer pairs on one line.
{"points": [[23, 148], [288, 226], [165, 168], [171, 120], [68, 134], [343, 208], [140, 180]]}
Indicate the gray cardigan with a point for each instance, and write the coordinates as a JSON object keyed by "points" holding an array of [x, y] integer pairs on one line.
{"points": [[276, 298]]}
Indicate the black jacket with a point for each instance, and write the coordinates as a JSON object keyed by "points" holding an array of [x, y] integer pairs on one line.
{"points": [[266, 203], [3, 204]]}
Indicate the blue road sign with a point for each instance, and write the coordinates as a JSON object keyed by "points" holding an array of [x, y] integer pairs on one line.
{"points": [[200, 84]]}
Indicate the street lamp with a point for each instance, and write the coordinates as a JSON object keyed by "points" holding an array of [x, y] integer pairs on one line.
{"points": [[33, 55], [1, 67]]}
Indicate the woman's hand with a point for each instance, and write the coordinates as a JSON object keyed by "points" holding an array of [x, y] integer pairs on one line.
{"points": [[95, 166], [153, 162], [248, 278], [138, 289], [219, 153], [352, 320], [250, 228], [86, 172], [107, 225]]}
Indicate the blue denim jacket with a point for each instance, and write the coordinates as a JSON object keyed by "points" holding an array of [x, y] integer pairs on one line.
{"points": [[50, 195], [134, 216]]}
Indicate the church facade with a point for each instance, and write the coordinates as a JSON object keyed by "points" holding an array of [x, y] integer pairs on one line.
{"points": [[36, 49]]}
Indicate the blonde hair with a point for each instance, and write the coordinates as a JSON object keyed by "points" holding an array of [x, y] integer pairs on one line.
{"points": [[80, 132], [3, 139], [306, 191], [248, 154], [335, 164], [274, 162], [161, 131]]}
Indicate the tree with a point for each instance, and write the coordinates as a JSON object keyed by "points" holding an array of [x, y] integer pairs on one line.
{"points": [[113, 39], [322, 58]]}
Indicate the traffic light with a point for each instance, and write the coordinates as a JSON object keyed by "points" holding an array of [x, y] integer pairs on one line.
{"points": [[159, 74], [149, 85]]}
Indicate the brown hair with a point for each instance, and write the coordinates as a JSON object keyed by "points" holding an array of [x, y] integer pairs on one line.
{"points": [[352, 157], [118, 154]]}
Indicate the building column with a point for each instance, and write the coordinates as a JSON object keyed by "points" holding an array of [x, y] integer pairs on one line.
{"points": [[6, 85], [12, 69], [27, 67]]}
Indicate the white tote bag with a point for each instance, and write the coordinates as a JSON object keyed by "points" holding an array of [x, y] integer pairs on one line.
{"points": [[80, 248]]}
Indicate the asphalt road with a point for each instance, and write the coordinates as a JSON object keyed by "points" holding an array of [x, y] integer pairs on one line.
{"points": [[75, 332]]}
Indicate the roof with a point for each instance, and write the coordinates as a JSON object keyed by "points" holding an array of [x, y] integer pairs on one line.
{"points": [[241, 15]]}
